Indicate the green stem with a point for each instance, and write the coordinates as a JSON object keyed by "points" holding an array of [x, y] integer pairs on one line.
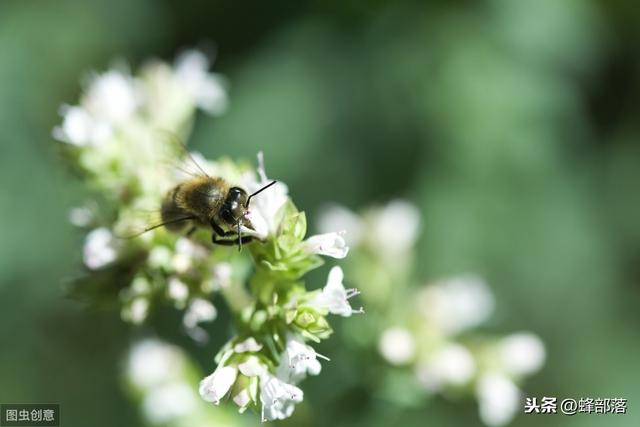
{"points": [[236, 296]]}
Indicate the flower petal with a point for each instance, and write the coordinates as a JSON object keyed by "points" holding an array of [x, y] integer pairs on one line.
{"points": [[217, 385], [328, 244], [334, 296], [248, 345]]}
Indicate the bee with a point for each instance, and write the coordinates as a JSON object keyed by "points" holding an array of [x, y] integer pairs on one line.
{"points": [[204, 201]]}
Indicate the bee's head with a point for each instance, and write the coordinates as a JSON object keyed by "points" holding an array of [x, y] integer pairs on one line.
{"points": [[236, 206], [234, 209]]}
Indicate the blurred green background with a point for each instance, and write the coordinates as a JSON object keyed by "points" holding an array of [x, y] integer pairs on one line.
{"points": [[513, 125]]}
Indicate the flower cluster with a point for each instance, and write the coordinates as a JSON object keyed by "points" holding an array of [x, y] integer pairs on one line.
{"points": [[445, 354], [121, 136], [263, 365], [433, 336]]}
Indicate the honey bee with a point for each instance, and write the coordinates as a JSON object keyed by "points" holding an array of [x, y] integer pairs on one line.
{"points": [[205, 201]]}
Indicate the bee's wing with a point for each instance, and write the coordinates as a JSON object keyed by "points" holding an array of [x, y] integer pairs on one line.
{"points": [[136, 222], [178, 157]]}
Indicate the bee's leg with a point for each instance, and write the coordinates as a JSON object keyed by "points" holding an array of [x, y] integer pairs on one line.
{"points": [[217, 241], [220, 232], [191, 231], [244, 239], [226, 242]]}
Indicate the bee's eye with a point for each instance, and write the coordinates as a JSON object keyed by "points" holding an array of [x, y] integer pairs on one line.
{"points": [[227, 216], [235, 193]]}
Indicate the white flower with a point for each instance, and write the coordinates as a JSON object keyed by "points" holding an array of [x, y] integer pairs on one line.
{"points": [[453, 364], [264, 208], [221, 276], [112, 97], [80, 216], [334, 297], [499, 399], [223, 273], [199, 310], [188, 247], [100, 248], [80, 128], [278, 398], [336, 217], [456, 304], [298, 360], [395, 227], [168, 402], [152, 362], [181, 263], [249, 345], [140, 286], [177, 290], [214, 387], [137, 311], [522, 353], [252, 367], [329, 244], [186, 252], [397, 346], [160, 257], [206, 89], [246, 395]]}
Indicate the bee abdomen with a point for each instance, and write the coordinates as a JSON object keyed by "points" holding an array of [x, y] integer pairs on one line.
{"points": [[173, 215]]}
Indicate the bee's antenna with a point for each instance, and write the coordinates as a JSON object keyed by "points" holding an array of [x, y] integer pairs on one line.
{"points": [[239, 237], [259, 191]]}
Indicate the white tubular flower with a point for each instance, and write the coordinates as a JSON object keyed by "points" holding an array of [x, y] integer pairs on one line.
{"points": [[246, 389], [100, 248], [182, 260], [137, 310], [80, 128], [250, 345], [522, 353], [214, 387], [451, 365], [206, 89], [334, 297], [298, 360], [499, 399], [252, 367], [336, 217], [169, 402], [178, 290], [329, 244], [188, 247], [247, 395], [112, 97], [80, 216], [152, 362], [397, 346], [243, 399], [263, 211], [456, 304], [185, 253], [199, 310], [278, 398], [160, 257], [220, 277], [223, 273], [396, 226]]}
